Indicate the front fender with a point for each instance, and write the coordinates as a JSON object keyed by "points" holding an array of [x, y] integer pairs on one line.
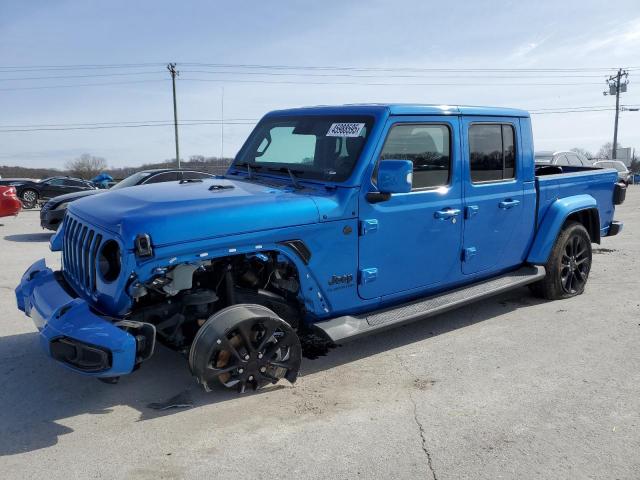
{"points": [[552, 223], [55, 243]]}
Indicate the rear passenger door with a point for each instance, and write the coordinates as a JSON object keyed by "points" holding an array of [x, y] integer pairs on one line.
{"points": [[493, 195]]}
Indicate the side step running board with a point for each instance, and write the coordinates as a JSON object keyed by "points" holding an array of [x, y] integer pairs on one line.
{"points": [[349, 327]]}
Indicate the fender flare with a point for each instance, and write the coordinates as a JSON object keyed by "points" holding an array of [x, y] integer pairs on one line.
{"points": [[552, 223]]}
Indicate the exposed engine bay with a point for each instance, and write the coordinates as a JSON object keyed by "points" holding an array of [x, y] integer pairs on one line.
{"points": [[178, 300]]}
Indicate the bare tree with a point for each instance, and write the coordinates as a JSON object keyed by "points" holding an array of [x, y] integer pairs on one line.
{"points": [[86, 166], [606, 150], [585, 153]]}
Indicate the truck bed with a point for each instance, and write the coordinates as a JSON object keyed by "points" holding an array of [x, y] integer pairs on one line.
{"points": [[552, 184]]}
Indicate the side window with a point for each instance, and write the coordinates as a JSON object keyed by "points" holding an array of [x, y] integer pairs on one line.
{"points": [[428, 146], [574, 161], [562, 160], [492, 152], [163, 177], [74, 183], [58, 182], [195, 175]]}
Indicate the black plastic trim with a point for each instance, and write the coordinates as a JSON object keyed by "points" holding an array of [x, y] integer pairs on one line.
{"points": [[80, 355], [300, 248], [377, 197], [619, 193], [614, 228]]}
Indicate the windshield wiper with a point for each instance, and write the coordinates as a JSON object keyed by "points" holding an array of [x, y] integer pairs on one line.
{"points": [[249, 168], [291, 173]]}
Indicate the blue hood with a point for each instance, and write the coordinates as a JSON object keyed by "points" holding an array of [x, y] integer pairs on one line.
{"points": [[175, 212]]}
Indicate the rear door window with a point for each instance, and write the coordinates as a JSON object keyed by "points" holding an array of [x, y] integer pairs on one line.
{"points": [[492, 154]]}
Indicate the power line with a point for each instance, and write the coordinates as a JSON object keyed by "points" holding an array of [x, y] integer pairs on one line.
{"points": [[15, 68], [385, 74], [128, 122], [57, 77], [104, 127], [528, 75], [425, 84], [241, 121], [43, 87], [30, 68], [292, 82]]}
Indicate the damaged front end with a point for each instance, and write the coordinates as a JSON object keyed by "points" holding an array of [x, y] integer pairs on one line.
{"points": [[76, 335], [103, 312], [179, 299]]}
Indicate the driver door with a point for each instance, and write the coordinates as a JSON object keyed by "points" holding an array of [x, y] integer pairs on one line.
{"points": [[412, 240]]}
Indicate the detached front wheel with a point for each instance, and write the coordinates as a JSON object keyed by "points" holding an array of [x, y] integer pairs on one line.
{"points": [[568, 265], [245, 347]]}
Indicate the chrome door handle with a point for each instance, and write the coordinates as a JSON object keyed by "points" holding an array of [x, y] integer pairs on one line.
{"points": [[506, 204], [446, 213]]}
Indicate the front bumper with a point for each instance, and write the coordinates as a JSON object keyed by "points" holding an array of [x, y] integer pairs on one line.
{"points": [[71, 333], [51, 219]]}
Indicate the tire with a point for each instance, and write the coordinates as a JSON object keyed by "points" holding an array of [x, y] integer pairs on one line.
{"points": [[568, 265], [245, 347], [29, 198]]}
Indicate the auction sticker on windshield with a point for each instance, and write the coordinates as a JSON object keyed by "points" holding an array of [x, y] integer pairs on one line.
{"points": [[345, 130]]}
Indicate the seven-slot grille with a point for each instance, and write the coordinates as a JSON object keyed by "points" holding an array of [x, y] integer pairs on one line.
{"points": [[79, 254]]}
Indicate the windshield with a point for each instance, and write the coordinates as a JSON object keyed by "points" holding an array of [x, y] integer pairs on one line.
{"points": [[313, 147], [131, 180], [619, 166]]}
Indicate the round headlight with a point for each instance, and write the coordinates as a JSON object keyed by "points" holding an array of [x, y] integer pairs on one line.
{"points": [[109, 261]]}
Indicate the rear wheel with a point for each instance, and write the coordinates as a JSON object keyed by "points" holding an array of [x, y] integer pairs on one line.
{"points": [[568, 265], [29, 198], [245, 347]]}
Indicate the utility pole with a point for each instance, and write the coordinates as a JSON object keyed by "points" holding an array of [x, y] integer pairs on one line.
{"points": [[172, 70], [222, 126], [616, 87]]}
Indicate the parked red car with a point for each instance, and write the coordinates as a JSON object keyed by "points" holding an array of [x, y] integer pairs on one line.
{"points": [[9, 202]]}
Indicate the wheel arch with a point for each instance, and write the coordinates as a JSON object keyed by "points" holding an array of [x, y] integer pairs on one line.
{"points": [[579, 208], [313, 298]]}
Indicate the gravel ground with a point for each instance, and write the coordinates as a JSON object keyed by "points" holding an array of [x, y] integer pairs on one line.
{"points": [[511, 387]]}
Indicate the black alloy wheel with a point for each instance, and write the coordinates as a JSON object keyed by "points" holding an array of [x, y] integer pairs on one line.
{"points": [[576, 263], [568, 264], [245, 347]]}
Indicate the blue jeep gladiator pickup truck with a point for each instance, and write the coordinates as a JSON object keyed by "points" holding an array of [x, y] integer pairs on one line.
{"points": [[332, 223]]}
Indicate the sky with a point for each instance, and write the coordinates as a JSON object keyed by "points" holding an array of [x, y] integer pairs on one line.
{"points": [[70, 68]]}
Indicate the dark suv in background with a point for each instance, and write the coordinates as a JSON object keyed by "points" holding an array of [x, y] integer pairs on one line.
{"points": [[31, 192], [53, 211]]}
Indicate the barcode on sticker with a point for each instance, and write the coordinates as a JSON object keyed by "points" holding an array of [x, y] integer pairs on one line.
{"points": [[345, 130]]}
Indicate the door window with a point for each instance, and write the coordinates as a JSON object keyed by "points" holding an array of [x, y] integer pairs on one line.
{"points": [[427, 146], [195, 175], [58, 182], [574, 161], [74, 183], [163, 177], [492, 154]]}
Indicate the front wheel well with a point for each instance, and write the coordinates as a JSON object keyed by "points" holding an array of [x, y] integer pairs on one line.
{"points": [[590, 220]]}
